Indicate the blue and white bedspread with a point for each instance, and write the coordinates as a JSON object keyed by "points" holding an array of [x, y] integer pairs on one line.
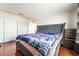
{"points": [[42, 42]]}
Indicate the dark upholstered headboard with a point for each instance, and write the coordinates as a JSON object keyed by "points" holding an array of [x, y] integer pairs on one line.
{"points": [[58, 28]]}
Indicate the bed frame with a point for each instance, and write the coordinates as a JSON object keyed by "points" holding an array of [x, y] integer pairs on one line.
{"points": [[28, 50]]}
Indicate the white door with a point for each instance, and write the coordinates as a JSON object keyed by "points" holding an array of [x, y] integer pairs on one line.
{"points": [[32, 27], [10, 29], [1, 37], [22, 26], [1, 29]]}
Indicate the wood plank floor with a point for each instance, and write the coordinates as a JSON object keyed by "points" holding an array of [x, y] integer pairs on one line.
{"points": [[9, 49], [67, 52]]}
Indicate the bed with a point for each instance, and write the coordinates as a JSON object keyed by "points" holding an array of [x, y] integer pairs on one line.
{"points": [[45, 42]]}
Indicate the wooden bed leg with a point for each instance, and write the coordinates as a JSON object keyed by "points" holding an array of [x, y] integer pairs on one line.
{"points": [[18, 53]]}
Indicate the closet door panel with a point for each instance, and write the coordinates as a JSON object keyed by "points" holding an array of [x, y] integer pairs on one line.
{"points": [[32, 27], [1, 37], [22, 26], [1, 30], [10, 29]]}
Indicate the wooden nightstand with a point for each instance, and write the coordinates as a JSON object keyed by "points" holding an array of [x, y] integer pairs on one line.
{"points": [[69, 38]]}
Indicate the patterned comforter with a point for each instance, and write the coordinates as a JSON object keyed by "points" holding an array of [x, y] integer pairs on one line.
{"points": [[42, 42]]}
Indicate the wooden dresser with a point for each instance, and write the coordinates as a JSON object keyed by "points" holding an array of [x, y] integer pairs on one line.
{"points": [[77, 39], [69, 38]]}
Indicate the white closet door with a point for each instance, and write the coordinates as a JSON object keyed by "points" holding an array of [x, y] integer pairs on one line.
{"points": [[32, 27], [10, 29], [22, 26], [1, 29], [1, 37]]}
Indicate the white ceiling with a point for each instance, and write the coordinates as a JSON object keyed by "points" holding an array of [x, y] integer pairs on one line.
{"points": [[35, 11]]}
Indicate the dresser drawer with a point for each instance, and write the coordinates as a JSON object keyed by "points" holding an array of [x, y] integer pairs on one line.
{"points": [[69, 44], [70, 33], [70, 30], [70, 36], [69, 41]]}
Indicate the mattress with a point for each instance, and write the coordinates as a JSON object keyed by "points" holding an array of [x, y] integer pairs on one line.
{"points": [[56, 46]]}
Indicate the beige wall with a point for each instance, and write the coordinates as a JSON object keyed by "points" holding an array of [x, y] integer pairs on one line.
{"points": [[70, 18]]}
